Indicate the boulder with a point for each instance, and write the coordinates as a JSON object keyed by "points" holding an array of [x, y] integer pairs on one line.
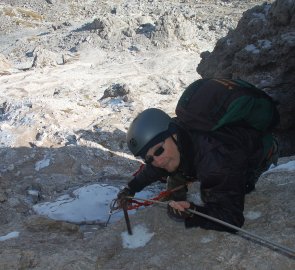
{"points": [[261, 50]]}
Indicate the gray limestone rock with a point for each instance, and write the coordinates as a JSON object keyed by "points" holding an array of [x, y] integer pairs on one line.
{"points": [[261, 50]]}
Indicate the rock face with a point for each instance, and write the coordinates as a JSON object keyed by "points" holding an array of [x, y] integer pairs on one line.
{"points": [[261, 50], [44, 244]]}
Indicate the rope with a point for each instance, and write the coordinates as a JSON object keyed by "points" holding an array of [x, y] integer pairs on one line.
{"points": [[164, 194], [289, 251], [138, 204]]}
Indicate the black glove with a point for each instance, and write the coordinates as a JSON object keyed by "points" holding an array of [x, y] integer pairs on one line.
{"points": [[178, 215], [121, 197]]}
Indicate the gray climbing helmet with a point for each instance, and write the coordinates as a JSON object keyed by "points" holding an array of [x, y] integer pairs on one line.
{"points": [[149, 128]]}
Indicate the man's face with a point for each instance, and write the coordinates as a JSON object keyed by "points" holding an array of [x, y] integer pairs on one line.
{"points": [[164, 155]]}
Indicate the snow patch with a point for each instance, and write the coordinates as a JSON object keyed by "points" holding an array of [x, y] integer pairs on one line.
{"points": [[45, 162], [252, 215], [9, 236], [139, 238], [6, 138], [195, 198], [289, 166], [33, 192], [206, 239]]}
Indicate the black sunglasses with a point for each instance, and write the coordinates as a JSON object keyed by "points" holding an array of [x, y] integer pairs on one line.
{"points": [[150, 158]]}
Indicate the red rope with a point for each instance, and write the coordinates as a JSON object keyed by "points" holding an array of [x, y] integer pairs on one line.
{"points": [[138, 204], [161, 195]]}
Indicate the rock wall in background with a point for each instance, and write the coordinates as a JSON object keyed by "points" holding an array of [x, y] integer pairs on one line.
{"points": [[261, 50]]}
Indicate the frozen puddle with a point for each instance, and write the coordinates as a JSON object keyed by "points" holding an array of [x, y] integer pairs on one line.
{"points": [[86, 204], [139, 238]]}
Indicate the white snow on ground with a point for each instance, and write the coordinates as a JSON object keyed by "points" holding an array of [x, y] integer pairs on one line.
{"points": [[252, 215], [92, 203], [9, 236], [89, 203], [207, 239], [139, 238], [45, 162], [289, 166], [195, 198]]}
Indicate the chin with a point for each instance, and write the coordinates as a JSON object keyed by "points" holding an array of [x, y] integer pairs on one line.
{"points": [[171, 168]]}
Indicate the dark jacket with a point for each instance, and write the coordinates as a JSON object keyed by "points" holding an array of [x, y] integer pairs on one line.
{"points": [[223, 162]]}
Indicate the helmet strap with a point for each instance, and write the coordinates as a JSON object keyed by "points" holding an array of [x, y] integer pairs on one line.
{"points": [[174, 140]]}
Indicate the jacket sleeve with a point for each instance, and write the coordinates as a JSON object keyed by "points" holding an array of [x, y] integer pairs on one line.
{"points": [[148, 175], [227, 207], [222, 176]]}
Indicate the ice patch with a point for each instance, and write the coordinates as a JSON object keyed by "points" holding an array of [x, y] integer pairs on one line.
{"points": [[252, 215], [42, 163], [9, 236], [89, 203], [139, 238]]}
